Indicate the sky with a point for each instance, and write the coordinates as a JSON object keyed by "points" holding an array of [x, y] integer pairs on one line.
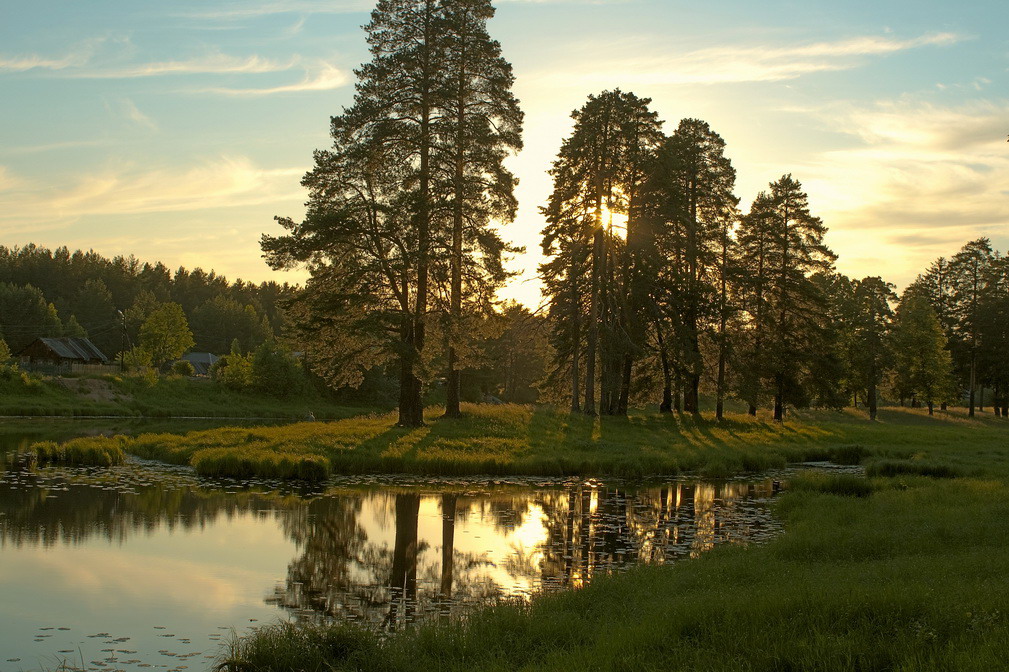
{"points": [[176, 131]]}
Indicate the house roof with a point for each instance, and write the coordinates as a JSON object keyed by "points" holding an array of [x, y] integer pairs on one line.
{"points": [[74, 348], [200, 358]]}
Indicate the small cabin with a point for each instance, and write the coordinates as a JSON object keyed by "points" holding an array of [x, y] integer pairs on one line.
{"points": [[62, 351], [201, 361]]}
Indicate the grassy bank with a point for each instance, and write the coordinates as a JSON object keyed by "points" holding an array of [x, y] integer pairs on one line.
{"points": [[545, 441], [157, 397], [904, 571]]}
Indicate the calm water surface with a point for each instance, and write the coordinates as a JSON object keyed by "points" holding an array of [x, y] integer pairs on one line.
{"points": [[151, 567]]}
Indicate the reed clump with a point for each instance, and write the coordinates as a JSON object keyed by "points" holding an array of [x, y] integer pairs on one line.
{"points": [[90, 451]]}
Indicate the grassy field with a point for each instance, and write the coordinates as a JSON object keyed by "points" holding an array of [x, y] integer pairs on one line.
{"points": [[157, 397], [544, 441], [903, 571]]}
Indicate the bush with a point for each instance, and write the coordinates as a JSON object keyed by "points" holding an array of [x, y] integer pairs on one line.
{"points": [[183, 368], [275, 371], [137, 358], [234, 371]]}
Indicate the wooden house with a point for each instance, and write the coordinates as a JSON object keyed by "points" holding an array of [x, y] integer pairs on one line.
{"points": [[62, 351]]}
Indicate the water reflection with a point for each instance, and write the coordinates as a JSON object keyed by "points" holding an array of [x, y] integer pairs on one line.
{"points": [[385, 552]]}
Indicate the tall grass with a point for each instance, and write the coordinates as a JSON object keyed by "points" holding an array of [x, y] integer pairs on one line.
{"points": [[93, 451]]}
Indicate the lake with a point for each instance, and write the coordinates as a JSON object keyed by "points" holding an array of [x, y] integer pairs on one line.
{"points": [[147, 566]]}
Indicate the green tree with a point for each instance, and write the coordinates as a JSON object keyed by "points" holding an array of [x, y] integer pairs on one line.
{"points": [[599, 176], [25, 315], [922, 362], [275, 371], [969, 270], [873, 318], [165, 334], [92, 306], [221, 320], [377, 234], [5, 352], [788, 303], [480, 127], [74, 329], [692, 209]]}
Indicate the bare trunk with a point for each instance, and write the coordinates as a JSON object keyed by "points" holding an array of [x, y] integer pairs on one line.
{"points": [[667, 379], [589, 407]]}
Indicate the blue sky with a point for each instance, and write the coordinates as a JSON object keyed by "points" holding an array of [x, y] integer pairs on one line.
{"points": [[176, 131]]}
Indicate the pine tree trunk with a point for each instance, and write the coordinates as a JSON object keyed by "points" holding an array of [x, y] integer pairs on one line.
{"points": [[720, 386], [667, 379], [625, 385], [970, 413], [722, 322], [779, 397], [589, 407], [576, 338], [872, 399], [413, 393], [411, 408]]}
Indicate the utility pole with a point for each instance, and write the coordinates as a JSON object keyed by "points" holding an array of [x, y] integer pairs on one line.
{"points": [[122, 347]]}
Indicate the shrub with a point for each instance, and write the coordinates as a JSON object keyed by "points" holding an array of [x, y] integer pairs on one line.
{"points": [[275, 371], [183, 368], [234, 371]]}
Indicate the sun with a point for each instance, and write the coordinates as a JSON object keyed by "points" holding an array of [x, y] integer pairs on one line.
{"points": [[615, 222]]}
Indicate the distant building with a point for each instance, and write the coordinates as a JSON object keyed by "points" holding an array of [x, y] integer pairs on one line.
{"points": [[201, 361], [62, 351]]}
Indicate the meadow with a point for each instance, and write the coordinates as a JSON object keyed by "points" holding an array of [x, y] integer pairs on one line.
{"points": [[150, 396], [544, 441]]}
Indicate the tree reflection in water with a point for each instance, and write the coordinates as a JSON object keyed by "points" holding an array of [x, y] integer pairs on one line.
{"points": [[390, 555]]}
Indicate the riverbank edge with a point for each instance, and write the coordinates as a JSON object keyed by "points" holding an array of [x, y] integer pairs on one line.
{"points": [[884, 573]]}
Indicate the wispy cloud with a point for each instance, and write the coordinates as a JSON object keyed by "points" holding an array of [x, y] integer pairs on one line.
{"points": [[251, 10], [921, 181], [324, 77], [620, 62], [52, 146], [133, 113], [221, 182], [77, 57], [8, 182], [211, 64]]}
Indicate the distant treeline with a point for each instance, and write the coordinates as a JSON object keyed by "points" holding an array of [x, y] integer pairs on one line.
{"points": [[58, 292]]}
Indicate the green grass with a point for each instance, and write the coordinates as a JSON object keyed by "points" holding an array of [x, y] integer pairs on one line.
{"points": [[547, 442], [160, 397], [903, 571], [88, 451]]}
